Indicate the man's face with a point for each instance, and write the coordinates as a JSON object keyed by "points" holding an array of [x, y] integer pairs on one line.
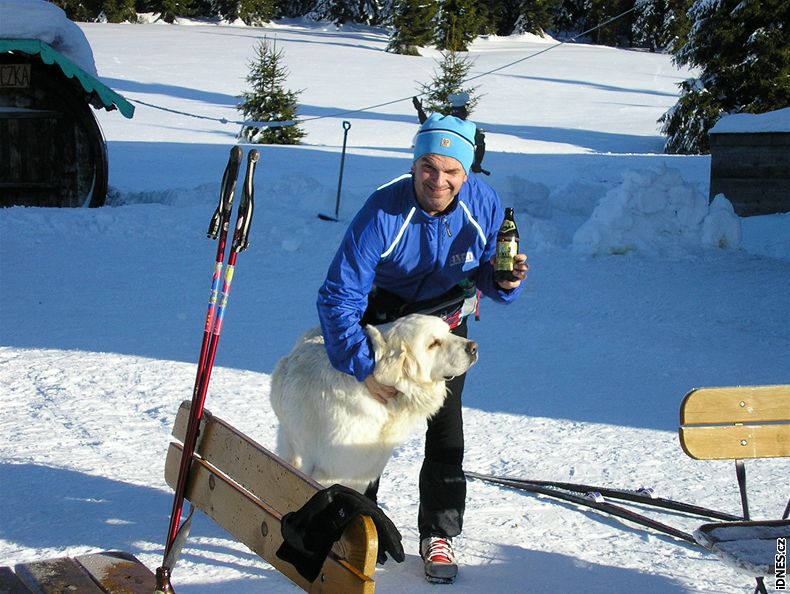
{"points": [[437, 180]]}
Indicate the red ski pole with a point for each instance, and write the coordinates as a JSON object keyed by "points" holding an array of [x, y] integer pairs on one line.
{"points": [[220, 223]]}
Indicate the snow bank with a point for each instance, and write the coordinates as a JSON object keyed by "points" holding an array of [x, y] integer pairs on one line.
{"points": [[655, 212], [36, 19]]}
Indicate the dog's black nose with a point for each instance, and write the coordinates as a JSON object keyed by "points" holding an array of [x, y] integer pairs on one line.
{"points": [[471, 347]]}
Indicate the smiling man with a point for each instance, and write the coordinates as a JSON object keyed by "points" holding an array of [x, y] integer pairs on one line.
{"points": [[423, 242]]}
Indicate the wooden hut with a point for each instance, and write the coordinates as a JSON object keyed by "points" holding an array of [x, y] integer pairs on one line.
{"points": [[750, 162], [52, 150]]}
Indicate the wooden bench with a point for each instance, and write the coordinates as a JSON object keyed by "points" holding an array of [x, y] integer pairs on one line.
{"points": [[109, 572], [247, 490], [740, 423]]}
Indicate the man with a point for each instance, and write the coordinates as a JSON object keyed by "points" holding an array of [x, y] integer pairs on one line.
{"points": [[423, 242]]}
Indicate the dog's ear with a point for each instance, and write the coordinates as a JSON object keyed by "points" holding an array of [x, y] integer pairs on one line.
{"points": [[388, 356], [377, 341], [411, 366]]}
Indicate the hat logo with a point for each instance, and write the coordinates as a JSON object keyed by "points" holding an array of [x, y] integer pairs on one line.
{"points": [[445, 143]]}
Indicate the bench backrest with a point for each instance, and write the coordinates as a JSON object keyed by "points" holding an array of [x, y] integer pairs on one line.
{"points": [[736, 423], [247, 490]]}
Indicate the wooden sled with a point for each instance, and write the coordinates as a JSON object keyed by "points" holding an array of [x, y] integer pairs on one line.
{"points": [[109, 572], [247, 490], [740, 423], [751, 547]]}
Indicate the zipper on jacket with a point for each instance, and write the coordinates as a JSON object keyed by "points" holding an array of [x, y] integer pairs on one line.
{"points": [[447, 227]]}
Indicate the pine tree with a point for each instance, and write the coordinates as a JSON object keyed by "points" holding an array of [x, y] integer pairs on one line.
{"points": [[368, 12], [536, 16], [743, 51], [457, 26], [660, 25], [413, 26], [252, 12], [448, 79], [268, 101], [170, 10]]}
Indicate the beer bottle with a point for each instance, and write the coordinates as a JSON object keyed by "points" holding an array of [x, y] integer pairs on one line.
{"points": [[163, 581], [506, 248]]}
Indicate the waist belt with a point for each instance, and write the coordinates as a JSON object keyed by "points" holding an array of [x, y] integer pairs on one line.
{"points": [[452, 306]]}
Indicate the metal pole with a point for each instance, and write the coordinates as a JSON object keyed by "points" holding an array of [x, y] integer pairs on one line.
{"points": [[346, 128]]}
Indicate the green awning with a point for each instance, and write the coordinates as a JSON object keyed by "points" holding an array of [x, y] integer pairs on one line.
{"points": [[100, 95]]}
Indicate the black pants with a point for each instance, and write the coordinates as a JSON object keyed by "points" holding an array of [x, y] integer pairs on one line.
{"points": [[442, 479]]}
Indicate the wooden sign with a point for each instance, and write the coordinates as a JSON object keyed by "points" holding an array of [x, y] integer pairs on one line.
{"points": [[14, 76]]}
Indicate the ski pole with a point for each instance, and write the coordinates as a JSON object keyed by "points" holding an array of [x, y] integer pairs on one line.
{"points": [[346, 128], [641, 496], [597, 502], [218, 228]]}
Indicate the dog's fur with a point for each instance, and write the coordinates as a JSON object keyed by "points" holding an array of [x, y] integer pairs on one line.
{"points": [[333, 429]]}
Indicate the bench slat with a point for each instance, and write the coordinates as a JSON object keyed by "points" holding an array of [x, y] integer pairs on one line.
{"points": [[55, 576], [742, 404], [10, 583], [118, 573], [736, 423], [736, 442], [257, 526], [248, 463]]}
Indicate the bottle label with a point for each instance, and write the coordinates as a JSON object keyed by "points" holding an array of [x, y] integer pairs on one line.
{"points": [[507, 225], [505, 252]]}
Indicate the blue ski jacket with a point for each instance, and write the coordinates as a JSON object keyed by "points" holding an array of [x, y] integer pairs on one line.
{"points": [[393, 244]]}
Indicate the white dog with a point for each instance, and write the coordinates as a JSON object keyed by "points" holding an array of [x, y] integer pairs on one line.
{"points": [[333, 429]]}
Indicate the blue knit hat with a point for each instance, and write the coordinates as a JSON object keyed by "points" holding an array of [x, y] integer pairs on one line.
{"points": [[447, 136]]}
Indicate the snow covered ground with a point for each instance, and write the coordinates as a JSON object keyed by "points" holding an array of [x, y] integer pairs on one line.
{"points": [[638, 292]]}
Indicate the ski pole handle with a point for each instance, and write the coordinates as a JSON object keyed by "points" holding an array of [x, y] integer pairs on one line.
{"points": [[227, 189], [241, 237]]}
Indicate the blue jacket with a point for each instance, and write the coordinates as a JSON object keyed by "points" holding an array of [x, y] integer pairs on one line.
{"points": [[395, 245]]}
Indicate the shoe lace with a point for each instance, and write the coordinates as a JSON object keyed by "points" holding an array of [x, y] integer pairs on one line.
{"points": [[440, 550]]}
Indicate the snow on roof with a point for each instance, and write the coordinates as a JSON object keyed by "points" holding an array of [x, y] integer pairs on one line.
{"points": [[37, 19], [772, 121]]}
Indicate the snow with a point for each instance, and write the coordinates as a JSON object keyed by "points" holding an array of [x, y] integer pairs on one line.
{"points": [[638, 291], [739, 123], [32, 19]]}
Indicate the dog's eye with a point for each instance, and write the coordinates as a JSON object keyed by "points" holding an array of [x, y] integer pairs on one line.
{"points": [[435, 344]]}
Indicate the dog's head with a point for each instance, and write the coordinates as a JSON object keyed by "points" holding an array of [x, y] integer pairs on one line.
{"points": [[419, 349]]}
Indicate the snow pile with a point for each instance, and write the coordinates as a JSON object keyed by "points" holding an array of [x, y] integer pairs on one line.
{"points": [[36, 19], [771, 121], [654, 211]]}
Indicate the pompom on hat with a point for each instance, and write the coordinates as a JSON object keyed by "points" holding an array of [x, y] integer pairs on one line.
{"points": [[447, 136]]}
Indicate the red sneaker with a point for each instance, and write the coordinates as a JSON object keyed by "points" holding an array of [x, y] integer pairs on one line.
{"points": [[437, 553]]}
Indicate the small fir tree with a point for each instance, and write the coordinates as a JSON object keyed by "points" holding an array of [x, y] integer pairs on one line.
{"points": [[269, 101], [412, 26], [448, 79]]}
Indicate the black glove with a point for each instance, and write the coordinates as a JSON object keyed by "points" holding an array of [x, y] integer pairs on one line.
{"points": [[310, 532]]}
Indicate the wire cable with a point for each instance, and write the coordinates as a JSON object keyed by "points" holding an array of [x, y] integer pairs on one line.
{"points": [[256, 124]]}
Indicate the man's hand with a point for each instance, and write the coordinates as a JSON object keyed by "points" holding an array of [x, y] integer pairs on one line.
{"points": [[520, 268], [379, 391]]}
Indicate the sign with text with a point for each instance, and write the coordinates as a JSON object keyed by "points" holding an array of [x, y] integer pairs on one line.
{"points": [[14, 76]]}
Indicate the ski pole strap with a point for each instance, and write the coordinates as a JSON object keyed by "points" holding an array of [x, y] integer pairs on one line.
{"points": [[246, 207], [226, 191]]}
